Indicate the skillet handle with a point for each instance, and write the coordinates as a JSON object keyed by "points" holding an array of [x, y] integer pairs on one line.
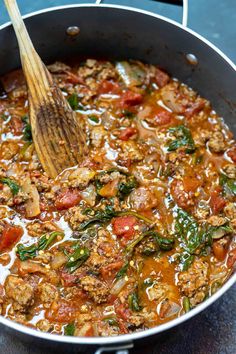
{"points": [[176, 2], [122, 349]]}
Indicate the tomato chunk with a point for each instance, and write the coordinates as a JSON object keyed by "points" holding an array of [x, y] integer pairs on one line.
{"points": [[161, 116], [219, 250], [123, 226], [191, 183], [127, 133], [10, 235], [130, 98], [217, 202], [181, 197], [67, 199], [108, 271], [62, 311], [108, 87], [232, 154], [161, 78], [232, 258]]}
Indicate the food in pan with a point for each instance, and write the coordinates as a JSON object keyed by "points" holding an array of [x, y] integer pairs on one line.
{"points": [[138, 234]]}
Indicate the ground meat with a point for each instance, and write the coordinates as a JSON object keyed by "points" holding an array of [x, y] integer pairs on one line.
{"points": [[97, 69], [158, 291], [97, 136], [74, 216], [58, 68], [80, 177], [47, 293], [230, 210], [97, 290], [143, 198], [19, 292], [36, 229], [201, 137], [215, 220], [44, 325], [130, 151], [141, 318], [193, 282], [217, 143], [9, 149], [230, 171]]}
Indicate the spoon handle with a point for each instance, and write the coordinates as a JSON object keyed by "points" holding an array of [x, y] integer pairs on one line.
{"points": [[32, 65]]}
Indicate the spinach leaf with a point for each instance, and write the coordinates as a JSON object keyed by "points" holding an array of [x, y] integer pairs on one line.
{"points": [[192, 237], [133, 301], [26, 252], [122, 272], [27, 132], [183, 138], [100, 217], [228, 184], [125, 188], [94, 119], [217, 232], [164, 244], [69, 329], [77, 258], [14, 187], [73, 101], [111, 321]]}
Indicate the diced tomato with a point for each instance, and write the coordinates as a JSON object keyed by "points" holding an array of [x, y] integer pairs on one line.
{"points": [[67, 199], [194, 108], [180, 196], [191, 183], [10, 235], [122, 312], [62, 311], [74, 79], [160, 116], [231, 258], [232, 154], [123, 327], [219, 250], [123, 226], [110, 189], [127, 133], [130, 98], [68, 279], [16, 125], [109, 87], [217, 202], [89, 332], [161, 78], [108, 271]]}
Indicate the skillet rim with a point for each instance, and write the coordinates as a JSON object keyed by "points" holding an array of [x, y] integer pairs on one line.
{"points": [[126, 338]]}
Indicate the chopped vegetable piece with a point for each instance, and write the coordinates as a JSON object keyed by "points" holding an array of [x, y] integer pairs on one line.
{"points": [[122, 272], [26, 252], [69, 329], [9, 236], [186, 304], [133, 301], [77, 258], [183, 138], [131, 75], [14, 187], [111, 321], [73, 101], [228, 184]]}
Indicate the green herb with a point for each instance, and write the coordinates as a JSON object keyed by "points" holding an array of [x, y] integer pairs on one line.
{"points": [[125, 188], [128, 114], [74, 101], [164, 244], [4, 117], [14, 187], [100, 217], [133, 302], [94, 119], [186, 304], [183, 138], [111, 321], [192, 237], [217, 232], [122, 272], [27, 132], [69, 329], [228, 184], [77, 258], [26, 252]]}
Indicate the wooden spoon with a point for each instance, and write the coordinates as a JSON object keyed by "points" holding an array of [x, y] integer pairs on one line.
{"points": [[59, 140]]}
